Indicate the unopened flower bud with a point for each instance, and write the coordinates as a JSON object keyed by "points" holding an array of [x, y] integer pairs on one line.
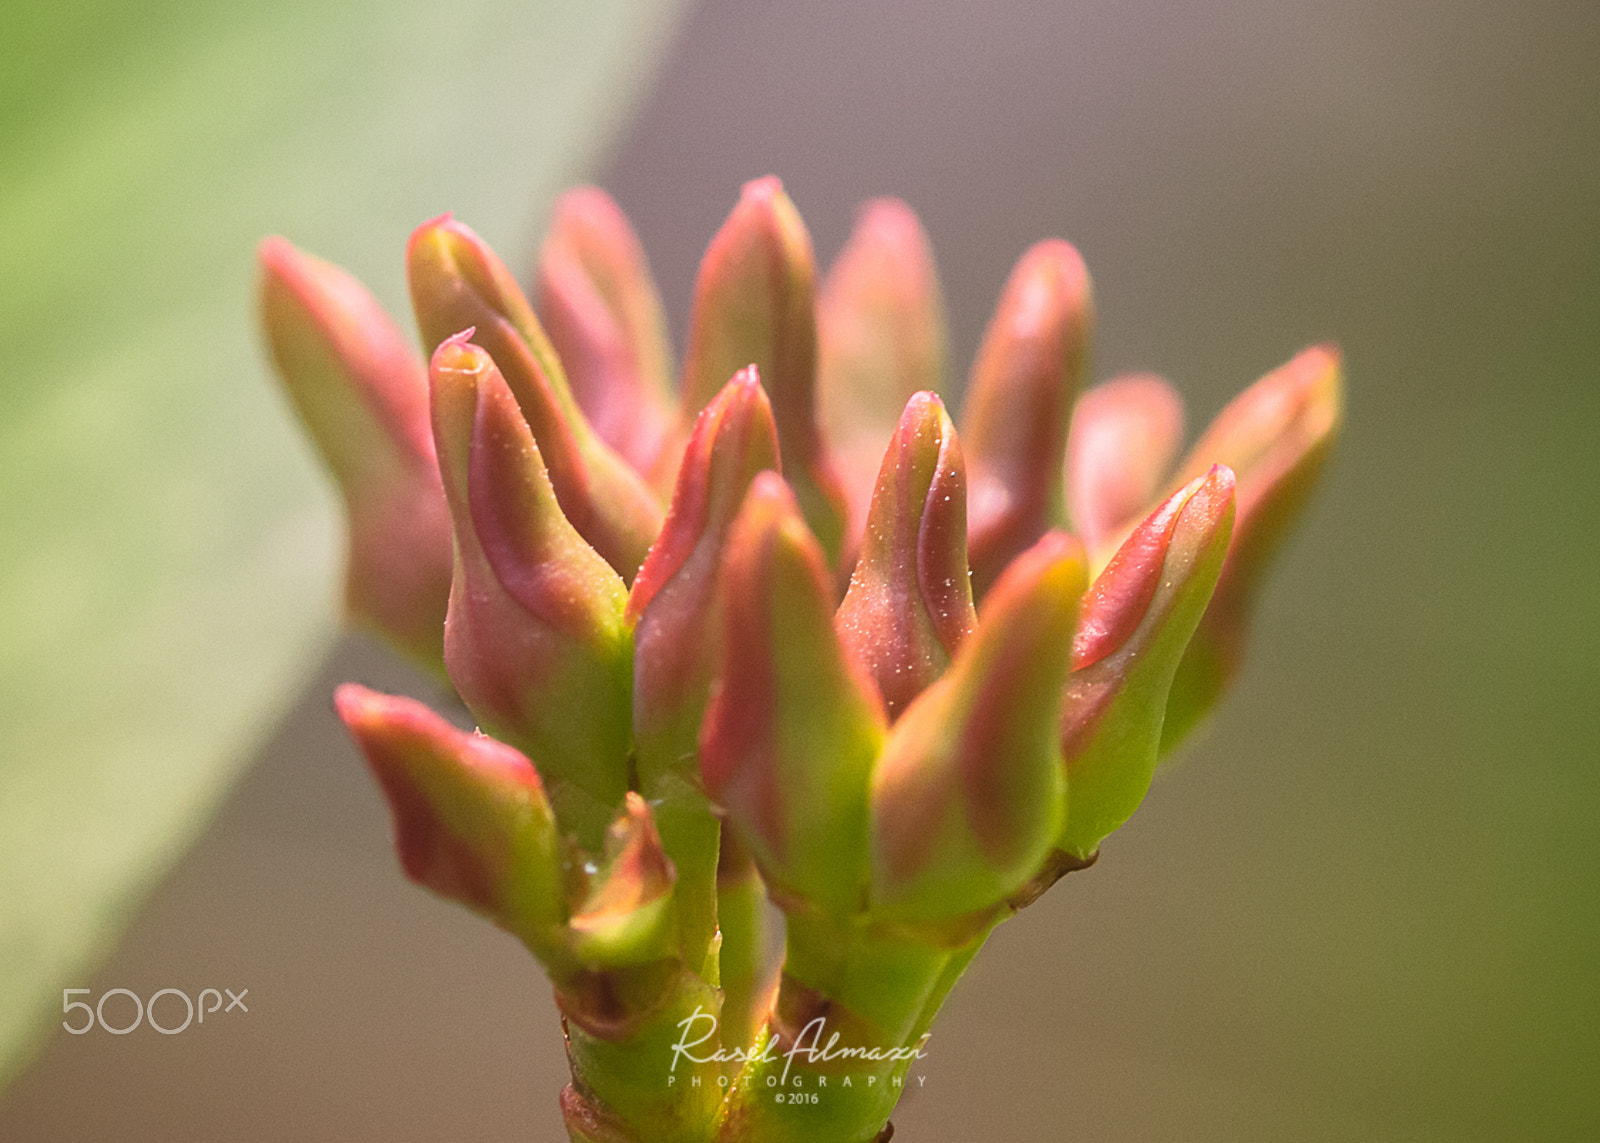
{"points": [[536, 641], [1019, 403], [969, 794], [881, 338], [470, 817], [1137, 619], [909, 605], [674, 598], [755, 303], [362, 394], [458, 283], [1275, 436], [604, 318], [793, 725]]}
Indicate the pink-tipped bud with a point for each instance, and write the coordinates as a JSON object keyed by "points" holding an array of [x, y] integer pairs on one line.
{"points": [[674, 597], [536, 640], [969, 794], [625, 918], [793, 725], [1137, 619], [881, 338], [603, 314], [910, 600], [470, 817], [755, 303], [362, 394], [458, 283], [1019, 403], [1125, 435], [1276, 435]]}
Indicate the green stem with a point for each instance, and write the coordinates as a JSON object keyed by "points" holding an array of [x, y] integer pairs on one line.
{"points": [[841, 1036], [622, 1024], [621, 1027]]}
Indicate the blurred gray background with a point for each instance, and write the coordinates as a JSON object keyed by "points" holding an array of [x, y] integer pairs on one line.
{"points": [[1367, 904]]}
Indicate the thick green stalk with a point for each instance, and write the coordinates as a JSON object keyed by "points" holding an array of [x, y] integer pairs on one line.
{"points": [[620, 1030], [843, 1032]]}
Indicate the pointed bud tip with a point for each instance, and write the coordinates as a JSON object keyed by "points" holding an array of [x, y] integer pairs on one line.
{"points": [[734, 436], [1275, 423], [924, 436], [1210, 502], [445, 221], [449, 247], [925, 410], [584, 206], [274, 251], [1324, 365], [1049, 296], [457, 354], [746, 381], [763, 189], [1061, 256], [379, 720], [1050, 284], [1191, 520], [892, 222], [358, 706], [1316, 377]]}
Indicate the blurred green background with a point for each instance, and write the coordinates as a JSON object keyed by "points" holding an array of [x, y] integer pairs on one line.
{"points": [[1365, 905]]}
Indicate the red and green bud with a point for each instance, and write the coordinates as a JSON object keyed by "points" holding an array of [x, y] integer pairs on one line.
{"points": [[604, 318], [1125, 436], [1019, 403], [458, 283], [471, 821], [362, 394], [1137, 618], [881, 338], [673, 603], [674, 607], [909, 606], [969, 794], [536, 640], [755, 303], [794, 725], [626, 917], [1276, 435]]}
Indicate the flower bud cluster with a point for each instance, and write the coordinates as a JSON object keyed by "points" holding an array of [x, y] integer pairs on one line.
{"points": [[916, 672]]}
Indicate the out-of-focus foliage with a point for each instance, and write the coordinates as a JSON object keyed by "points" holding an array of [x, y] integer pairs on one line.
{"points": [[168, 565]]}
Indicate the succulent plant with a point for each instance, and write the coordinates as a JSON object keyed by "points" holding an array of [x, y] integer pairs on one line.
{"points": [[776, 633]]}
